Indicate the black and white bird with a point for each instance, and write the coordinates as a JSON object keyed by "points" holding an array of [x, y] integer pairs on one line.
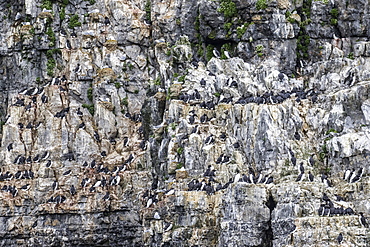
{"points": [[25, 187], [310, 177], [106, 21], [48, 164], [216, 53], [66, 173], [311, 160], [300, 177], [301, 168], [293, 160], [106, 197], [209, 140], [45, 155], [347, 175], [85, 182], [115, 180], [79, 112], [10, 147], [55, 185], [72, 190], [340, 238], [363, 221], [126, 141]]}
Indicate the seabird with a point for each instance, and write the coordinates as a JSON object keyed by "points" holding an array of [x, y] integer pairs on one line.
{"points": [[103, 154], [300, 177], [85, 182], [281, 76], [223, 136], [81, 125], [72, 190], [106, 196], [192, 119], [363, 220], [68, 44], [157, 216], [26, 187], [311, 160], [202, 82], [34, 224], [112, 141], [126, 141], [19, 102], [18, 175], [167, 226], [339, 198], [48, 164], [129, 159], [301, 168], [237, 177], [227, 55], [208, 171], [10, 147], [216, 53], [349, 211], [347, 175], [321, 210], [143, 145], [55, 185], [36, 158], [92, 164], [245, 178], [79, 112], [106, 21], [340, 238], [96, 136], [170, 192], [45, 155], [327, 182], [29, 159], [204, 118], [297, 136], [310, 177], [92, 189], [97, 184], [77, 69], [209, 140], [115, 180], [251, 176], [209, 189], [67, 172], [293, 160]]}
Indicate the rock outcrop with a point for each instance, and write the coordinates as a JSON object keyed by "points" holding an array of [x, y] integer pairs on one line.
{"points": [[184, 123]]}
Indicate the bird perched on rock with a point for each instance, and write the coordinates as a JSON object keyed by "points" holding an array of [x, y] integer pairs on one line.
{"points": [[310, 177], [106, 21], [363, 221], [106, 197], [72, 190], [340, 238], [300, 177]]}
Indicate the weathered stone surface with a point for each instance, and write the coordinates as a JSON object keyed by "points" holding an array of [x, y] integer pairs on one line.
{"points": [[130, 102]]}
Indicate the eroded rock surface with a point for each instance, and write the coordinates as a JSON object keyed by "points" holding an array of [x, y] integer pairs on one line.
{"points": [[184, 123]]}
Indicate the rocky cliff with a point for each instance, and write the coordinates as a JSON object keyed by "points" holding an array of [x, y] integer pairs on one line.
{"points": [[184, 123]]}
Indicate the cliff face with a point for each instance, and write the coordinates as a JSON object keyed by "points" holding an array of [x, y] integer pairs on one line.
{"points": [[107, 105]]}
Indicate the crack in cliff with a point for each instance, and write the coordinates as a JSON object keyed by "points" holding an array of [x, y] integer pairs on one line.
{"points": [[269, 235]]}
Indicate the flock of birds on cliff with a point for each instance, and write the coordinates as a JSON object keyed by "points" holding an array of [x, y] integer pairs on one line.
{"points": [[107, 177], [209, 184], [266, 98]]}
